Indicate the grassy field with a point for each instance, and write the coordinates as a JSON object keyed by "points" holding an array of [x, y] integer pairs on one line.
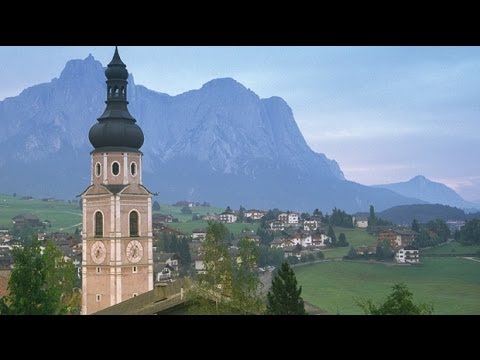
{"points": [[451, 285], [62, 215], [452, 248], [176, 211], [355, 237], [66, 217], [187, 227]]}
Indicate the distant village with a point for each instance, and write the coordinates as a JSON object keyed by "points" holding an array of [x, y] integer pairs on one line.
{"points": [[299, 238]]}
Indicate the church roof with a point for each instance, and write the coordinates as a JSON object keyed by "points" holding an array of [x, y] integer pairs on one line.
{"points": [[116, 127]]}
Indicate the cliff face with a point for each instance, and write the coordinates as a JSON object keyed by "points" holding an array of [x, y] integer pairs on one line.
{"points": [[220, 143]]}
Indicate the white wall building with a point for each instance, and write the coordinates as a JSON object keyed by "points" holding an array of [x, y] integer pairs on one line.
{"points": [[407, 254]]}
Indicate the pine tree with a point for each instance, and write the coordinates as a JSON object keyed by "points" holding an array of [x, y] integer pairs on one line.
{"points": [[332, 236], [415, 226], [284, 296]]}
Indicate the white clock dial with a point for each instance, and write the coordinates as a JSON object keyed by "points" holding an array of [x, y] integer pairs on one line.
{"points": [[134, 251], [98, 252]]}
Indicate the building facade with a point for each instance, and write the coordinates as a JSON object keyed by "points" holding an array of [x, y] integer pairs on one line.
{"points": [[117, 260]]}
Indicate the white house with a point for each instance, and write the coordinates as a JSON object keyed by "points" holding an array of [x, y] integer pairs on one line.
{"points": [[320, 240], [361, 222], [199, 234], [303, 240], [254, 214], [408, 254], [310, 225], [277, 226], [289, 218], [293, 218], [228, 218]]}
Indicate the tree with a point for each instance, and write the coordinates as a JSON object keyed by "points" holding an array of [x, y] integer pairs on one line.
{"points": [[41, 284], [246, 284], [305, 216], [186, 210], [213, 289], [284, 296], [226, 286], [342, 240], [332, 236], [372, 220], [469, 234], [317, 212], [352, 254], [320, 255], [156, 206], [415, 226], [399, 302], [384, 250], [241, 213]]}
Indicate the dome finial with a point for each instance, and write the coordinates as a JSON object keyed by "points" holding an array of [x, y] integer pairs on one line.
{"points": [[116, 59]]}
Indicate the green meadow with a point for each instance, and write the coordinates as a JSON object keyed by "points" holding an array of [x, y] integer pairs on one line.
{"points": [[62, 215], [451, 285]]}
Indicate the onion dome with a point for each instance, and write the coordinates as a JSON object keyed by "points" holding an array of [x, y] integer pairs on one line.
{"points": [[116, 128]]}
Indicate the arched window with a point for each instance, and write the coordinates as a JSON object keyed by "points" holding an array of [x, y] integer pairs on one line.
{"points": [[115, 168], [98, 224], [133, 223], [109, 91], [123, 91], [98, 169], [116, 91], [133, 169]]}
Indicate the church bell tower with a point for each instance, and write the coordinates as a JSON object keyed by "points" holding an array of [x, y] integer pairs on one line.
{"points": [[117, 261]]}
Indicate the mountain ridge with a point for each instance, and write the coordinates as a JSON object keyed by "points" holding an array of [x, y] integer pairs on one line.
{"points": [[430, 191], [221, 143]]}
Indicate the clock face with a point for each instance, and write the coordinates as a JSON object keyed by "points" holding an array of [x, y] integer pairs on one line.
{"points": [[98, 252], [134, 251]]}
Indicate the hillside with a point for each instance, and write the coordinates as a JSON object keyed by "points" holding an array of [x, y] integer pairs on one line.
{"points": [[221, 143], [405, 214], [422, 188]]}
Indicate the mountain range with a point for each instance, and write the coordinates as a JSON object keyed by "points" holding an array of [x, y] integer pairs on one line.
{"points": [[220, 143], [433, 192]]}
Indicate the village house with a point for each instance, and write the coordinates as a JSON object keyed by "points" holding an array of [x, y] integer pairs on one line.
{"points": [[292, 251], [254, 214], [228, 218], [288, 218], [209, 217], [26, 219], [280, 243], [310, 225], [360, 222], [165, 265], [408, 254], [199, 235], [397, 238], [163, 229], [319, 240], [158, 219], [277, 226]]}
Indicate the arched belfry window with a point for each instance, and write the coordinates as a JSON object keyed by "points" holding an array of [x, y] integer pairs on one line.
{"points": [[133, 169], [98, 224], [98, 169], [133, 223], [109, 91], [123, 91], [115, 168], [116, 92]]}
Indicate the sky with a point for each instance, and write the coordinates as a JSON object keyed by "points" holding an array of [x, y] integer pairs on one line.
{"points": [[385, 114]]}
